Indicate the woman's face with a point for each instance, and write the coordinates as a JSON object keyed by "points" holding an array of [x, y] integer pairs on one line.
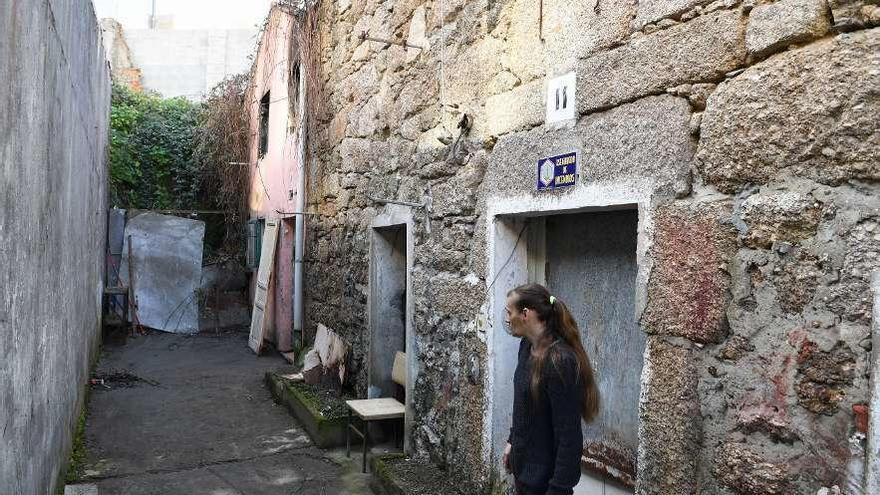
{"points": [[514, 319]]}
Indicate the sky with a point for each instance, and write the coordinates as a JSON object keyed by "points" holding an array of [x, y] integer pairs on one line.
{"points": [[188, 14]]}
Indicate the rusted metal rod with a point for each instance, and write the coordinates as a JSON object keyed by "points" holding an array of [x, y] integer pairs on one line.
{"points": [[295, 212], [364, 37], [132, 295], [541, 20]]}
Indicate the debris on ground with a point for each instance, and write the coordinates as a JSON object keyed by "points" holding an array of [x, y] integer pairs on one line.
{"points": [[118, 379], [296, 377], [327, 358]]}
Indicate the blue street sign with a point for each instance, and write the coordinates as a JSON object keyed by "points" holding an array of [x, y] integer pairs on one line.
{"points": [[557, 171]]}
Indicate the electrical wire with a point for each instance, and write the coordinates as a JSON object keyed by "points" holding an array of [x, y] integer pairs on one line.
{"points": [[260, 173], [509, 257]]}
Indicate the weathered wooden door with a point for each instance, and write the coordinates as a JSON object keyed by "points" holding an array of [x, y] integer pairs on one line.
{"points": [[264, 279]]}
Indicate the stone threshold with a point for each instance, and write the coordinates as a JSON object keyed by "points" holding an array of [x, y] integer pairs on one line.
{"points": [[398, 474]]}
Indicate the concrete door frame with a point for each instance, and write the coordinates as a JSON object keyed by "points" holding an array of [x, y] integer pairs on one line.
{"points": [[872, 455], [392, 216], [508, 264]]}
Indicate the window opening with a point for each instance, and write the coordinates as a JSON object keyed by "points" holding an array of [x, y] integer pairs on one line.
{"points": [[264, 124]]}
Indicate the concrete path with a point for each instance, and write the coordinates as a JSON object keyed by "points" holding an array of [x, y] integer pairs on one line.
{"points": [[190, 415]]}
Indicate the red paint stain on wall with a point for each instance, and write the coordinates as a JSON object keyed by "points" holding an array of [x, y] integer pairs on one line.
{"points": [[860, 412]]}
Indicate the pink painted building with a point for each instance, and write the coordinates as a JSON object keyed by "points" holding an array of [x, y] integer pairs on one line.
{"points": [[273, 162]]}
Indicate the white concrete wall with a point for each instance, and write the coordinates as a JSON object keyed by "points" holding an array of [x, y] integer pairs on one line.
{"points": [[187, 14], [189, 63], [54, 111]]}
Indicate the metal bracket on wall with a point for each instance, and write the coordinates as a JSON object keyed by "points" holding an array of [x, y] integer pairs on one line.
{"points": [[395, 202], [365, 37], [426, 205]]}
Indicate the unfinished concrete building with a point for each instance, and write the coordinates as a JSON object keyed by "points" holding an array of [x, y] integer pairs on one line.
{"points": [[54, 109], [697, 180], [176, 62]]}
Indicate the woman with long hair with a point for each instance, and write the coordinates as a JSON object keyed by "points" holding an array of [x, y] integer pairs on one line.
{"points": [[554, 389]]}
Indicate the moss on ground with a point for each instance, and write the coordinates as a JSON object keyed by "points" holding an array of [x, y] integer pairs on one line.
{"points": [[77, 465], [326, 403], [382, 470], [322, 412], [75, 468]]}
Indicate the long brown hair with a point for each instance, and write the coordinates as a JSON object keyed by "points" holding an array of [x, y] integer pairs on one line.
{"points": [[558, 325]]}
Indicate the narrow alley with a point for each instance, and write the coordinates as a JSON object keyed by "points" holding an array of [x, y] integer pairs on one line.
{"points": [[190, 414]]}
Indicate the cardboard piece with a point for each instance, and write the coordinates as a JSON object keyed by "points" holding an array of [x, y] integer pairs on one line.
{"points": [[328, 356]]}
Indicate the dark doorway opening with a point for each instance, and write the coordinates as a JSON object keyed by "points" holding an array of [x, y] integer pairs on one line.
{"points": [[388, 302], [590, 263]]}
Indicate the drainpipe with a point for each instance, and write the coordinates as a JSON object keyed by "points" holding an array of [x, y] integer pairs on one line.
{"points": [[299, 234]]}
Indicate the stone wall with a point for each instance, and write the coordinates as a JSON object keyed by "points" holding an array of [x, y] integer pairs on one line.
{"points": [[54, 109], [745, 133]]}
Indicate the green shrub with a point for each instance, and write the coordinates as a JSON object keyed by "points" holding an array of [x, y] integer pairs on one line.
{"points": [[152, 140], [173, 154]]}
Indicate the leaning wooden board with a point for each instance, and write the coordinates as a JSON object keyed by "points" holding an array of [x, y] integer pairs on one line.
{"points": [[261, 294]]}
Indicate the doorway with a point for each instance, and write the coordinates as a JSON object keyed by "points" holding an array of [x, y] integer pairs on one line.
{"points": [[589, 260], [591, 265], [388, 317]]}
